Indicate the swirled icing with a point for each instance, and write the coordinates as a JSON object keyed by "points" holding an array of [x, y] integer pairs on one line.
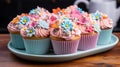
{"points": [[64, 28], [13, 28], [39, 24], [13, 25], [103, 19], [41, 33]]}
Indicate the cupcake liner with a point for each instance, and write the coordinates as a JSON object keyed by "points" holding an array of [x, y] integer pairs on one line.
{"points": [[104, 37], [40, 46], [51, 47], [65, 47], [88, 41], [17, 41]]}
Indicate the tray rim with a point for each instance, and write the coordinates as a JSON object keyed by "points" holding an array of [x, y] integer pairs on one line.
{"points": [[20, 54]]}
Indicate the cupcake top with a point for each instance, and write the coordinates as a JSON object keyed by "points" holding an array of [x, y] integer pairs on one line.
{"points": [[18, 22], [87, 25], [37, 28], [103, 19], [40, 12], [84, 20], [74, 11], [64, 28], [71, 11]]}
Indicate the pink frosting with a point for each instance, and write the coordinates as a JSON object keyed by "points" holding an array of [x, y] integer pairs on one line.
{"points": [[38, 25], [75, 13], [106, 23], [38, 32], [56, 34], [23, 32], [41, 33], [88, 25], [52, 18], [60, 34], [13, 27], [82, 29]]}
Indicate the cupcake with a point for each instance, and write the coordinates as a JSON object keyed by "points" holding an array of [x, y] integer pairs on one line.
{"points": [[89, 33], [89, 28], [36, 35], [14, 28], [64, 35], [106, 27]]}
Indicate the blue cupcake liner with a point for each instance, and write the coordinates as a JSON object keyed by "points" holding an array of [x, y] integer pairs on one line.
{"points": [[17, 41], [40, 46], [104, 37]]}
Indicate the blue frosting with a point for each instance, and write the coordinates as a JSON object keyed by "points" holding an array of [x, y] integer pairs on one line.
{"points": [[43, 24]]}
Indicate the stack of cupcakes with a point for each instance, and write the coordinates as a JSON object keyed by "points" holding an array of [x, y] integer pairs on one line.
{"points": [[65, 31]]}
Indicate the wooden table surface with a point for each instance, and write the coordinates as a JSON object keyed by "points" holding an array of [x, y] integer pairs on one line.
{"points": [[109, 58]]}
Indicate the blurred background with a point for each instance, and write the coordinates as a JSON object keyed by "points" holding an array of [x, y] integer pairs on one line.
{"points": [[10, 8]]}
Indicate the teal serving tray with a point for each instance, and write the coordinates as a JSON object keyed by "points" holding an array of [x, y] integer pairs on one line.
{"points": [[51, 57]]}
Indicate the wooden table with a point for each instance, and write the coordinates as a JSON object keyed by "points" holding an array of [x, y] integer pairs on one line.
{"points": [[109, 58]]}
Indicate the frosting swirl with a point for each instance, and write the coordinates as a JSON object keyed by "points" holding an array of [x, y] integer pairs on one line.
{"points": [[103, 19], [41, 33], [18, 22], [13, 25], [38, 27], [64, 28], [13, 28]]}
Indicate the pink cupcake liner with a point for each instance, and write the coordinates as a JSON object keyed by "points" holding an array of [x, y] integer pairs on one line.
{"points": [[88, 42], [65, 47]]}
